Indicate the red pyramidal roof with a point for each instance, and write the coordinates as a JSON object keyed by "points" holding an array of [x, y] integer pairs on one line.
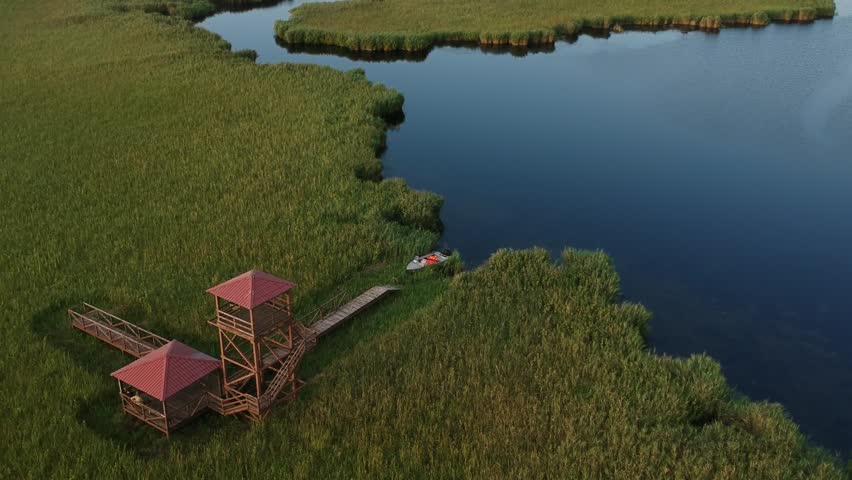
{"points": [[251, 288], [167, 370]]}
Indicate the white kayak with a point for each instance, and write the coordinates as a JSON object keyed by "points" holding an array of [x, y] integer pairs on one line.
{"points": [[432, 258]]}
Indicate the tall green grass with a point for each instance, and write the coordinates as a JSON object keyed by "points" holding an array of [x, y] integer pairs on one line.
{"points": [[188, 9], [141, 162], [413, 25], [526, 369]]}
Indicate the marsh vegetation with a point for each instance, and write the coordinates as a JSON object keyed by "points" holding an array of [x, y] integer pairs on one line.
{"points": [[143, 161], [411, 25]]}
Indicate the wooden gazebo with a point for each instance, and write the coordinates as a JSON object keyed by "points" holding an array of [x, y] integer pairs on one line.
{"points": [[261, 344], [168, 386]]}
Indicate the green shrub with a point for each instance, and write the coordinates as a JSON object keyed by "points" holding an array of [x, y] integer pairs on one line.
{"points": [[760, 19], [247, 54], [194, 10]]}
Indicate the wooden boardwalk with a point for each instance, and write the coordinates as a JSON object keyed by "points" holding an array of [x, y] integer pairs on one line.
{"points": [[114, 331], [350, 309]]}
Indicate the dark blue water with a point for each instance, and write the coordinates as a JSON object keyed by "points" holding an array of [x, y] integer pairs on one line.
{"points": [[715, 169]]}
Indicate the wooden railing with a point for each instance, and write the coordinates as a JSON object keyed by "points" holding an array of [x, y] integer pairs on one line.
{"points": [[308, 335], [114, 331], [278, 304], [145, 413], [330, 305], [236, 402], [188, 410], [232, 323]]}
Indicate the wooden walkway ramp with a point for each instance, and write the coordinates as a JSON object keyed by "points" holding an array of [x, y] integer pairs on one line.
{"points": [[353, 307], [114, 331]]}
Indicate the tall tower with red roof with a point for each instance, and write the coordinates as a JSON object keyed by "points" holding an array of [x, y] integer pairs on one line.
{"points": [[261, 344]]}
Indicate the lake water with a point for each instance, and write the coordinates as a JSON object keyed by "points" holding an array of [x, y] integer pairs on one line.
{"points": [[716, 169]]}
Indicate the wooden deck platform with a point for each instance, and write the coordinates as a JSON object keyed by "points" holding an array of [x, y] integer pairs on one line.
{"points": [[355, 306], [114, 331]]}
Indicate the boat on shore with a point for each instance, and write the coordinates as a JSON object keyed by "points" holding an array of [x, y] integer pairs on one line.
{"points": [[431, 258]]}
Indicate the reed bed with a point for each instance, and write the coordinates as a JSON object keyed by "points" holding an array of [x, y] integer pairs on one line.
{"points": [[528, 369], [143, 161], [189, 9], [412, 25]]}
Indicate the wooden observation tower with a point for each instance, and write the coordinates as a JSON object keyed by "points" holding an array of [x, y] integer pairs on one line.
{"points": [[261, 344]]}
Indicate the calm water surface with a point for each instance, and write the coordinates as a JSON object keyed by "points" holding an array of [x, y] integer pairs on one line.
{"points": [[716, 169]]}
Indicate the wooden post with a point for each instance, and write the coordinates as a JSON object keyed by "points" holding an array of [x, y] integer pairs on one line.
{"points": [[221, 348], [258, 367], [258, 360], [290, 320], [121, 397], [166, 417]]}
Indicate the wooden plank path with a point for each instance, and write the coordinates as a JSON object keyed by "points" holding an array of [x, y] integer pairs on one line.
{"points": [[350, 309], [114, 331]]}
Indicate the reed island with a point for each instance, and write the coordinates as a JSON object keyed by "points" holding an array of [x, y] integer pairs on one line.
{"points": [[412, 25]]}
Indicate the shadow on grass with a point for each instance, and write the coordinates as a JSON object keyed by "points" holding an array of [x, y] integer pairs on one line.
{"points": [[101, 413], [53, 325]]}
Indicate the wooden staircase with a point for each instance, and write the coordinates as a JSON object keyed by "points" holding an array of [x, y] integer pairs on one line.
{"points": [[237, 402], [286, 374]]}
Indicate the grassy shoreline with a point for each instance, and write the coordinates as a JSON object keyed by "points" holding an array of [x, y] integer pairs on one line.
{"points": [[407, 25], [143, 161], [194, 10]]}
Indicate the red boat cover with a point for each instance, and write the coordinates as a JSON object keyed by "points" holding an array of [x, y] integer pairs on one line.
{"points": [[251, 288], [167, 370]]}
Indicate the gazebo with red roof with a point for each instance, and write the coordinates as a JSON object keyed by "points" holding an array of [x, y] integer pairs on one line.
{"points": [[260, 342], [168, 386]]}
